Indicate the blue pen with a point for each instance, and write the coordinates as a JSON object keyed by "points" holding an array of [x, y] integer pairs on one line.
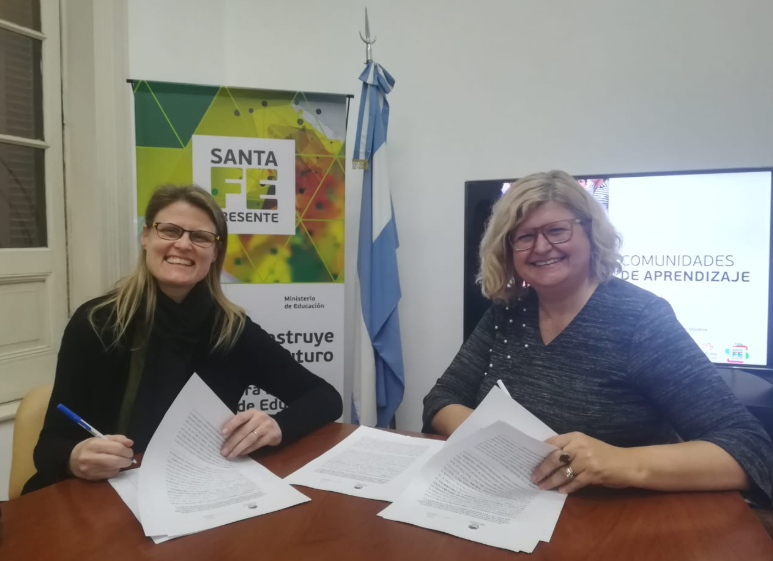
{"points": [[77, 420]]}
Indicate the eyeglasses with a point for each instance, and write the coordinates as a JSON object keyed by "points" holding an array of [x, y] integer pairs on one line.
{"points": [[169, 231], [555, 233]]}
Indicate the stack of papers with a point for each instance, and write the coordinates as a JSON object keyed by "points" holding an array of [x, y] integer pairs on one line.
{"points": [[476, 485], [480, 489], [185, 486]]}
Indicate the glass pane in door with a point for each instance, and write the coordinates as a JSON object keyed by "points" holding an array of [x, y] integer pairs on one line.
{"points": [[22, 197], [21, 12], [21, 85]]}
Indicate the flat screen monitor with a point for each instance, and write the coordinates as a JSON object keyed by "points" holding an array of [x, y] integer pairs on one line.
{"points": [[699, 239]]}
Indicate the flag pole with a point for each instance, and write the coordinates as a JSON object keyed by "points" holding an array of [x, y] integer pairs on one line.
{"points": [[367, 40]]}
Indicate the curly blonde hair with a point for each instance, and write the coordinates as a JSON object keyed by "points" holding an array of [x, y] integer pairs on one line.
{"points": [[498, 278]]}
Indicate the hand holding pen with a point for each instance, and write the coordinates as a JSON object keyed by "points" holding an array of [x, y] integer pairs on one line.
{"points": [[101, 457]]}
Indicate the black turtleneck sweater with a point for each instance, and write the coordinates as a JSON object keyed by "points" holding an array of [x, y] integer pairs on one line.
{"points": [[91, 380]]}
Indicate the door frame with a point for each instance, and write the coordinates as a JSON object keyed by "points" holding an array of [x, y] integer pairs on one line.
{"points": [[96, 149], [98, 146]]}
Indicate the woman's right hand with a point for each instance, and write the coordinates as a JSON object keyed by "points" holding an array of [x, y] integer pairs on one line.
{"points": [[99, 458]]}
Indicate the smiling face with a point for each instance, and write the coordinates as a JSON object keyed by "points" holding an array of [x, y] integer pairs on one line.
{"points": [[554, 268], [178, 265]]}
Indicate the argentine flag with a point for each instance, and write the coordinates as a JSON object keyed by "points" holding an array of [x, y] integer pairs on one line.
{"points": [[379, 378]]}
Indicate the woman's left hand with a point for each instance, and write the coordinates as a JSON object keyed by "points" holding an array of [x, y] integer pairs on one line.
{"points": [[247, 431], [592, 462]]}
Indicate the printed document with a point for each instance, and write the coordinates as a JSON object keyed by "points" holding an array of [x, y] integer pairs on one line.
{"points": [[186, 486], [369, 463], [479, 489], [497, 406], [126, 485]]}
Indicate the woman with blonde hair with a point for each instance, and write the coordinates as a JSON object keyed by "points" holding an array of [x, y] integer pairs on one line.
{"points": [[126, 355], [602, 362]]}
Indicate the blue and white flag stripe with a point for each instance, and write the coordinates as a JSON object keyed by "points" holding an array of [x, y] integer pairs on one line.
{"points": [[379, 375], [376, 84]]}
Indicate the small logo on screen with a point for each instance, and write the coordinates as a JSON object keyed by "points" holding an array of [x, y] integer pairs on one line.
{"points": [[737, 354]]}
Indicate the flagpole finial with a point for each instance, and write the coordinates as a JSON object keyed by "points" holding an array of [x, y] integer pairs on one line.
{"points": [[368, 40]]}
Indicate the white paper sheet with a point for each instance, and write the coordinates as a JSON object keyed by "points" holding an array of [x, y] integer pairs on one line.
{"points": [[126, 485], [497, 406], [185, 484], [369, 463], [479, 489]]}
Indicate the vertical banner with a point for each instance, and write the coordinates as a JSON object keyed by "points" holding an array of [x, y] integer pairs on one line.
{"points": [[274, 162]]}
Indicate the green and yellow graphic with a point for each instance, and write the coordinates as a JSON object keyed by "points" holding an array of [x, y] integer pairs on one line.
{"points": [[168, 116]]}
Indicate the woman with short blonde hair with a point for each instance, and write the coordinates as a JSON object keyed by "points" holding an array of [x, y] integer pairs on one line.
{"points": [[604, 363], [498, 279]]}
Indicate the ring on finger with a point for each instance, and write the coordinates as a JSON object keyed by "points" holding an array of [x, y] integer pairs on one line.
{"points": [[256, 434], [569, 472], [564, 458]]}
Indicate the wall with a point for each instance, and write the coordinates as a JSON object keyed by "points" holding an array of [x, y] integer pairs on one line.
{"points": [[489, 89]]}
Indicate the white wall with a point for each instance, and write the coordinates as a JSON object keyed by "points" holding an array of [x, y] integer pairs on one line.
{"points": [[489, 89]]}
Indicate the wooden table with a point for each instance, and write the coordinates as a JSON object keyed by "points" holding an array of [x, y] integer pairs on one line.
{"points": [[87, 521]]}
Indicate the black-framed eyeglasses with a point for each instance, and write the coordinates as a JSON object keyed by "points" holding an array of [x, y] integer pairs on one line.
{"points": [[170, 231], [558, 232]]}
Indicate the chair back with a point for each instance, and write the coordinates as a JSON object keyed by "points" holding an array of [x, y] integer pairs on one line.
{"points": [[26, 431]]}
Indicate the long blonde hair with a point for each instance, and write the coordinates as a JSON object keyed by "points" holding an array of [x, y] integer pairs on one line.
{"points": [[498, 278], [125, 301]]}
